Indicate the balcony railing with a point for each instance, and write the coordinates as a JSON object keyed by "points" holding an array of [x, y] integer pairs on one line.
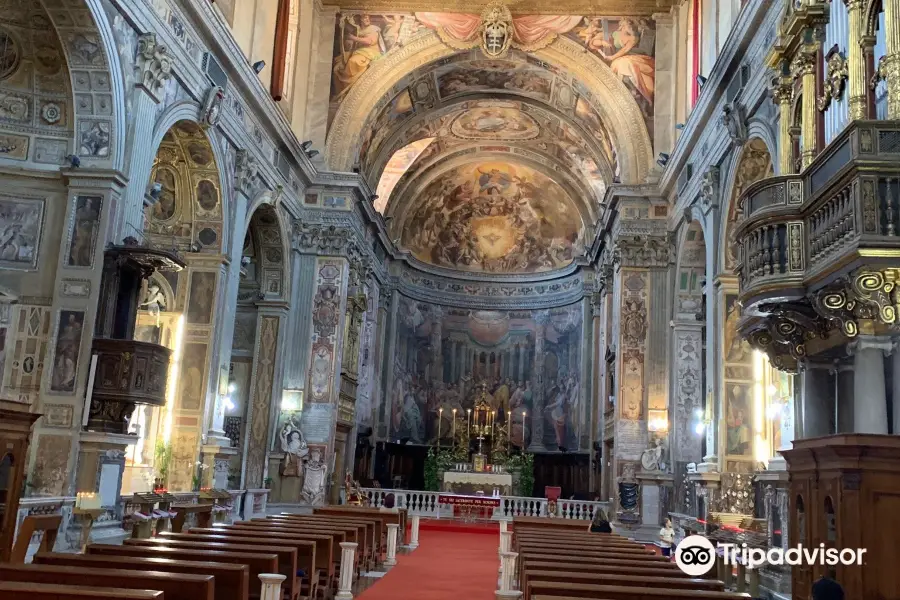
{"points": [[802, 235], [426, 504]]}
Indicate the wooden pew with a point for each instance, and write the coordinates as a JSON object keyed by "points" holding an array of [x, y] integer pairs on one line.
{"points": [[175, 586], [340, 533], [631, 548], [232, 580], [588, 551], [385, 516], [258, 562], [15, 590], [550, 555], [306, 552], [366, 549], [203, 512], [325, 545], [581, 537], [556, 591], [552, 523], [604, 567], [287, 555], [569, 581]]}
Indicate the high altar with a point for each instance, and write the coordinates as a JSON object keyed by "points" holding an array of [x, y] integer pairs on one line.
{"points": [[478, 476]]}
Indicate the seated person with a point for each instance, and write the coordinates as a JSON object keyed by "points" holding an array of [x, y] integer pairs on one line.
{"points": [[600, 524]]}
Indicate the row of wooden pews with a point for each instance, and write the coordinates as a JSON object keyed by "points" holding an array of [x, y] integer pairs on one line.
{"points": [[559, 559], [283, 557]]}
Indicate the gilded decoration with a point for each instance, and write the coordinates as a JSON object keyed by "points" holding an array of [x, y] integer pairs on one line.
{"points": [[783, 334], [835, 79], [865, 298]]}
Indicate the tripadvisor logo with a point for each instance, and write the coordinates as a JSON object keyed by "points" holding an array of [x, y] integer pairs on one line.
{"points": [[696, 555]]}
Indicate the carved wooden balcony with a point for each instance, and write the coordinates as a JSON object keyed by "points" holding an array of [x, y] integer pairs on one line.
{"points": [[820, 251], [129, 372]]}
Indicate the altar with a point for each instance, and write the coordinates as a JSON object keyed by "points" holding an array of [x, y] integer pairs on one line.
{"points": [[463, 482]]}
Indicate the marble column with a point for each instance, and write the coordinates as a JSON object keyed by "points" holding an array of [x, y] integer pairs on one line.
{"points": [[414, 532], [391, 558], [714, 323], [869, 393], [816, 394], [687, 391], [856, 67], [783, 94], [804, 69], [389, 361], [348, 558], [271, 586], [153, 66]]}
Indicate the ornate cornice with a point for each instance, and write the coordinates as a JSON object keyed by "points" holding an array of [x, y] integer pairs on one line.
{"points": [[522, 7], [857, 303], [322, 239], [153, 64], [644, 252]]}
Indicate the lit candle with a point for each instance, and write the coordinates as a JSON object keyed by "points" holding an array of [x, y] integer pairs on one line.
{"points": [[469, 422], [508, 429], [440, 418], [523, 431], [453, 427]]}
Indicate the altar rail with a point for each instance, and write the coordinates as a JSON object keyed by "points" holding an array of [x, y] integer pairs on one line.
{"points": [[425, 504]]}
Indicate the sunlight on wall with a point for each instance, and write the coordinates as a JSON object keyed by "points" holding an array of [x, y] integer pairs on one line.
{"points": [[396, 167], [174, 371]]}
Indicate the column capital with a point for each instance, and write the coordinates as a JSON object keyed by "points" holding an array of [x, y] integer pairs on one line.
{"points": [[246, 172], [95, 178], [870, 342], [153, 64], [804, 63], [644, 252], [782, 90]]}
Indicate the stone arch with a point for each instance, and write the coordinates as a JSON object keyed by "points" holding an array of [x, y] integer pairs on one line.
{"points": [[617, 107], [269, 227], [193, 213], [752, 162], [95, 69]]}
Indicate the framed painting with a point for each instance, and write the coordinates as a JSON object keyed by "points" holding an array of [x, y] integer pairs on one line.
{"points": [[21, 223]]}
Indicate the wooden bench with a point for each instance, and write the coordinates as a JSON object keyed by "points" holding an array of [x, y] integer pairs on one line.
{"points": [[203, 512], [15, 590], [367, 548], [552, 555], [563, 580], [287, 555], [604, 567], [628, 547], [551, 523], [570, 591], [339, 534], [384, 516], [175, 586], [306, 553], [232, 580], [582, 536], [595, 551], [258, 562]]}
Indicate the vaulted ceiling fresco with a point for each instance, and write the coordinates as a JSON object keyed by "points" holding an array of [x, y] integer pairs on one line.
{"points": [[495, 101], [497, 217]]}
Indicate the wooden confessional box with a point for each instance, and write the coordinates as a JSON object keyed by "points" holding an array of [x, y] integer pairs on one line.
{"points": [[845, 493], [15, 435]]}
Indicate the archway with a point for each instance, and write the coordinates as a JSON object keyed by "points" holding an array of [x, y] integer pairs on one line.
{"points": [[187, 216]]}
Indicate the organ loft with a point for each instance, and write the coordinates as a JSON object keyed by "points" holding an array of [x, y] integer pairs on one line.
{"points": [[336, 298]]}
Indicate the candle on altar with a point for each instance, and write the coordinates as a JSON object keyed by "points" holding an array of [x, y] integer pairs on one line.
{"points": [[453, 427], [508, 429], [468, 422], [523, 430], [440, 418]]}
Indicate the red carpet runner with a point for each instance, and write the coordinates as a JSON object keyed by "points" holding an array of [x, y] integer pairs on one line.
{"points": [[445, 566]]}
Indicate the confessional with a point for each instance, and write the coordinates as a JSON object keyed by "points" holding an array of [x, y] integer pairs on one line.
{"points": [[845, 493], [15, 435]]}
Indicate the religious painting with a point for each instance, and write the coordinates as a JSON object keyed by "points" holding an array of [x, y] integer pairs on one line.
{"points": [[207, 195], [66, 351], [493, 75], [193, 370], [453, 359], [200, 153], [588, 117], [21, 223], [397, 110], [494, 217], [398, 164], [628, 46], [495, 121], [85, 230], [201, 298], [739, 434], [164, 209], [360, 39]]}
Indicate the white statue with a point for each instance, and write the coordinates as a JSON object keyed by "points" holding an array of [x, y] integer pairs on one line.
{"points": [[295, 450], [154, 301], [314, 482]]}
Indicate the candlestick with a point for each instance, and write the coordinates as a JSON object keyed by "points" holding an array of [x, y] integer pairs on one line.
{"points": [[453, 427], [508, 429], [469, 422], [440, 418]]}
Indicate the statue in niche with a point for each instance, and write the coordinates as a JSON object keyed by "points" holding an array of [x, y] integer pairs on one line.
{"points": [[314, 482], [154, 301], [654, 457], [295, 450]]}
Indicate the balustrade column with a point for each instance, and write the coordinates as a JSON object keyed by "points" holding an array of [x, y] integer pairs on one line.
{"points": [[804, 68], [891, 64], [414, 532], [856, 67], [271, 586], [348, 559], [869, 394], [391, 558]]}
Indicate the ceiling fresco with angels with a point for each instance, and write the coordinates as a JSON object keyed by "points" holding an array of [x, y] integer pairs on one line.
{"points": [[495, 100]]}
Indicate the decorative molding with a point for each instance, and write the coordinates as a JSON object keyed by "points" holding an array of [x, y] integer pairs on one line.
{"points": [[734, 119], [835, 80], [854, 303], [644, 252], [153, 65], [709, 190], [246, 173]]}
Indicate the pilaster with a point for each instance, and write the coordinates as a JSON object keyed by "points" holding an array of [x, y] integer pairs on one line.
{"points": [[803, 68]]}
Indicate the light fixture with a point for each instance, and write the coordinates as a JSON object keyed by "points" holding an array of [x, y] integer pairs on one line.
{"points": [[699, 428], [701, 81], [699, 412], [228, 403], [231, 388], [305, 145], [258, 66], [663, 159]]}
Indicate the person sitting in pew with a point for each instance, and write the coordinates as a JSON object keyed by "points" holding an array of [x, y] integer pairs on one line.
{"points": [[827, 589], [600, 524]]}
